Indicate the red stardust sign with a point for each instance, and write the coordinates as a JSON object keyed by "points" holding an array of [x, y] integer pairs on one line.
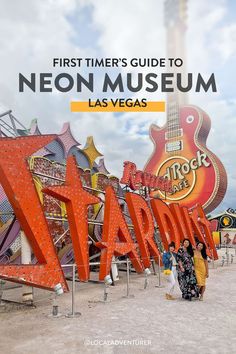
{"points": [[174, 222]]}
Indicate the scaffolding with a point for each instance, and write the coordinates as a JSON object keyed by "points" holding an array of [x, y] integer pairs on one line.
{"points": [[10, 126]]}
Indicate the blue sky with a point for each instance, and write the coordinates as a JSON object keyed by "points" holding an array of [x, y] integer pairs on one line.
{"points": [[125, 28]]}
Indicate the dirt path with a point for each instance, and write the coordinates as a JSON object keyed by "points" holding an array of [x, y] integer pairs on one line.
{"points": [[146, 323]]}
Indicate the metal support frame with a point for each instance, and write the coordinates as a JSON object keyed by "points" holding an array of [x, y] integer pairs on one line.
{"points": [[73, 313], [223, 261], [145, 282], [227, 255], [63, 180], [159, 275], [9, 128], [128, 295], [1, 291], [153, 266], [105, 295]]}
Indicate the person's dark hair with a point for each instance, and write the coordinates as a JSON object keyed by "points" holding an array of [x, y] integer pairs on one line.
{"points": [[189, 248], [196, 239], [172, 244], [203, 251]]}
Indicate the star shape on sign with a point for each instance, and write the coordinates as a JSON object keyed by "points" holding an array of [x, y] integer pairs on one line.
{"points": [[77, 200], [91, 151]]}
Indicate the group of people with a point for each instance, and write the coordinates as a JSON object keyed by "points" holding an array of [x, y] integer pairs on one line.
{"points": [[189, 266]]}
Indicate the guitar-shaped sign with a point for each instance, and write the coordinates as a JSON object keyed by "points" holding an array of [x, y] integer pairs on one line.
{"points": [[180, 152]]}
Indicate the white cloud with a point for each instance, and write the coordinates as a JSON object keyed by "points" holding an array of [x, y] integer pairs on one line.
{"points": [[130, 28], [36, 31], [226, 45]]}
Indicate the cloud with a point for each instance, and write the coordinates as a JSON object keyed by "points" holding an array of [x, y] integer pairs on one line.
{"points": [[226, 47], [129, 28], [37, 31]]}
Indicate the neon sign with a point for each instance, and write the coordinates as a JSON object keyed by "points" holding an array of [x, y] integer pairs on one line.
{"points": [[136, 178], [174, 222]]}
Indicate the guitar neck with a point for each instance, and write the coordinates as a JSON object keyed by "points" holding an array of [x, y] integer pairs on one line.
{"points": [[175, 22], [172, 113], [174, 131]]}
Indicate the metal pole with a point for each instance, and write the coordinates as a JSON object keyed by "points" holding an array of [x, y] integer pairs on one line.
{"points": [[27, 293], [223, 261], [73, 313], [13, 123], [159, 274], [159, 271], [127, 271], [60, 237], [98, 263], [5, 113], [114, 270], [145, 282], [2, 305], [153, 267], [73, 291], [227, 255], [55, 307], [1, 290], [127, 280], [105, 296], [213, 260]]}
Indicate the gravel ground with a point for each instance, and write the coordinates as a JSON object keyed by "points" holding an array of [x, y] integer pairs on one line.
{"points": [[146, 323]]}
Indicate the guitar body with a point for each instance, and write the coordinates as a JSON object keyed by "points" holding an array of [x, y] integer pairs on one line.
{"points": [[197, 175]]}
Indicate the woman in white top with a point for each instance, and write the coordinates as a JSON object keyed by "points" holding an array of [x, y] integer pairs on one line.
{"points": [[170, 263]]}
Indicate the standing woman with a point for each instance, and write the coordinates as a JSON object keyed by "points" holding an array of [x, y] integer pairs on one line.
{"points": [[201, 267], [170, 263], [186, 274]]}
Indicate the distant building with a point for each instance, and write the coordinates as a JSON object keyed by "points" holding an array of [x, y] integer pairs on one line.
{"points": [[225, 231]]}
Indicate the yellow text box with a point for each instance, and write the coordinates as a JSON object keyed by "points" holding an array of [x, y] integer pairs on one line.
{"points": [[90, 106]]}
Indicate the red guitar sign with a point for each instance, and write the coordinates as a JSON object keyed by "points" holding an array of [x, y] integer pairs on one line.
{"points": [[197, 175], [180, 152]]}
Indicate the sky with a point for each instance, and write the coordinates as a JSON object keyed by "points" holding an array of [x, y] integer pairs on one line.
{"points": [[34, 32]]}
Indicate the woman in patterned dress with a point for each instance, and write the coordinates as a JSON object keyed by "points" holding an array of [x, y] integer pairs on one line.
{"points": [[186, 274]]}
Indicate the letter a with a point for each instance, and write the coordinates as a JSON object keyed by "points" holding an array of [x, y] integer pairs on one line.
{"points": [[116, 238], [143, 226], [166, 222]]}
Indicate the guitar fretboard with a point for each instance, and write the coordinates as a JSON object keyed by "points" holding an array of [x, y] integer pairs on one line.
{"points": [[175, 22], [173, 124]]}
